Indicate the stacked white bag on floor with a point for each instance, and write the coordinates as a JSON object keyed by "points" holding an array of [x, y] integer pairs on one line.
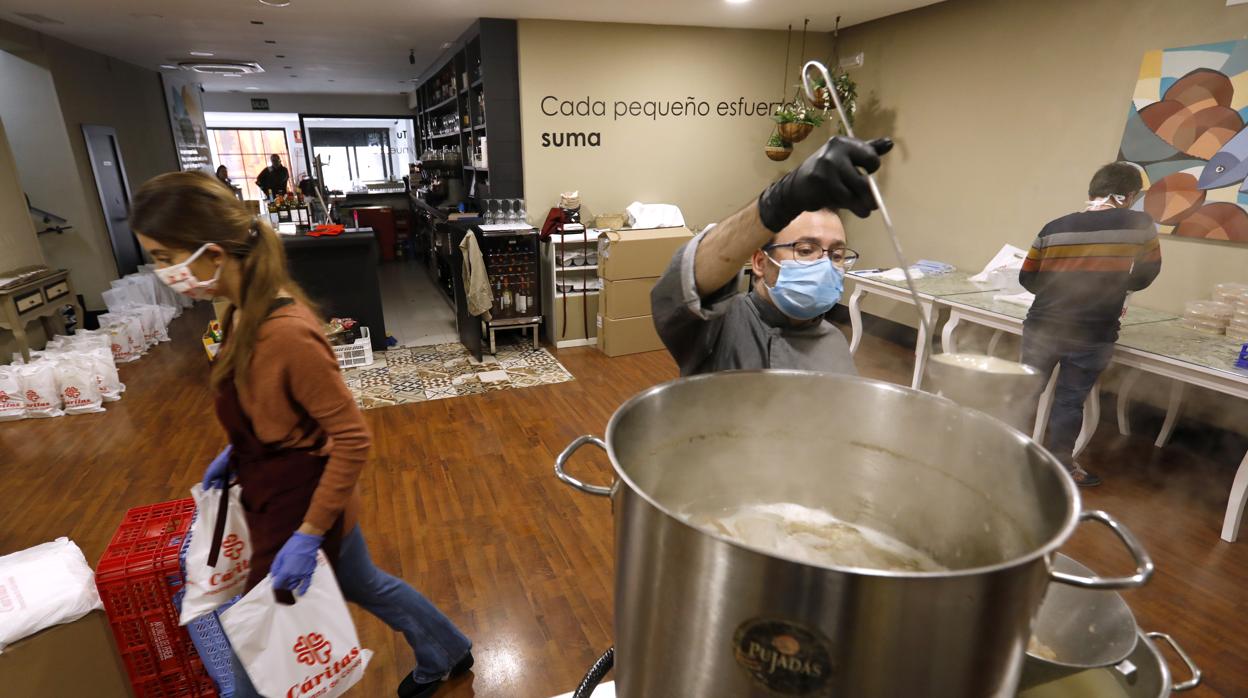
{"points": [[74, 375]]}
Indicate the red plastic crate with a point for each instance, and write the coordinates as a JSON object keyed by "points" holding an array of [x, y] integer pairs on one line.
{"points": [[137, 578]]}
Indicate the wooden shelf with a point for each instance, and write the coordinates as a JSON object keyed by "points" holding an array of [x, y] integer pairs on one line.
{"points": [[451, 134], [439, 105]]}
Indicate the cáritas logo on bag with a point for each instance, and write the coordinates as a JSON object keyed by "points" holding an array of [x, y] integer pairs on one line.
{"points": [[232, 547], [784, 657], [313, 649]]}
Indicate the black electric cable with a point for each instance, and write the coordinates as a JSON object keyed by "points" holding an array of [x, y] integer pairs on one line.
{"points": [[595, 674]]}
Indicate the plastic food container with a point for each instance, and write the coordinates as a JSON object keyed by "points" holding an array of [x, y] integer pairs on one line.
{"points": [[1231, 293], [1207, 326]]}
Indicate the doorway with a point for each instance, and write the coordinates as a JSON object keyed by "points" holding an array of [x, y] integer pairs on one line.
{"points": [[114, 191]]}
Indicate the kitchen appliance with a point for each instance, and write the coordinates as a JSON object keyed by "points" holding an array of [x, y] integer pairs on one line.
{"points": [[1004, 389], [1081, 628], [698, 614], [1144, 674]]}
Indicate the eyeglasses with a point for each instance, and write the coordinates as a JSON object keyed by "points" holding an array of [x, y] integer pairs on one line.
{"points": [[805, 252]]}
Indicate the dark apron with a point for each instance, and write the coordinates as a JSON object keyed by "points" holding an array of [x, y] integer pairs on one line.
{"points": [[277, 483]]}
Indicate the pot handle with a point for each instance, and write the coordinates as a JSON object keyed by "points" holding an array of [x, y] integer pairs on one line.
{"points": [[1143, 563], [562, 461], [1191, 666]]}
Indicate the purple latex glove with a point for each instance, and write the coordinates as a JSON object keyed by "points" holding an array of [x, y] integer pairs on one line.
{"points": [[218, 470], [294, 564]]}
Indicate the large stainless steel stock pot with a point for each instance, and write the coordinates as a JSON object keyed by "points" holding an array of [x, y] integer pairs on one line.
{"points": [[698, 614]]}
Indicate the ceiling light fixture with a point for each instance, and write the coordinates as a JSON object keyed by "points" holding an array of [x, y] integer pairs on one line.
{"points": [[269, 41], [276, 3], [736, 2], [203, 54], [279, 55], [446, 45], [253, 89], [256, 21]]}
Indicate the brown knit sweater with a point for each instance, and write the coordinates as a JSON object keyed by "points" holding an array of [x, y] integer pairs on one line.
{"points": [[296, 398]]}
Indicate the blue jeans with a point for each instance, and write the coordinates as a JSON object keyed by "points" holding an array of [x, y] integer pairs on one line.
{"points": [[1082, 363], [438, 644]]}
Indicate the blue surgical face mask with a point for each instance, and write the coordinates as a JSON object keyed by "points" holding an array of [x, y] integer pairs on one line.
{"points": [[806, 291]]}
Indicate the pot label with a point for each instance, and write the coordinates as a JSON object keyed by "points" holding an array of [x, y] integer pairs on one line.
{"points": [[784, 657]]}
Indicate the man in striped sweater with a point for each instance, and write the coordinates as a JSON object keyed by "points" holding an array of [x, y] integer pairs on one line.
{"points": [[1081, 268]]}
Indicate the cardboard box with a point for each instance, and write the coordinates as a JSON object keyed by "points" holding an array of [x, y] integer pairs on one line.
{"points": [[628, 336], [71, 659], [638, 254], [626, 298]]}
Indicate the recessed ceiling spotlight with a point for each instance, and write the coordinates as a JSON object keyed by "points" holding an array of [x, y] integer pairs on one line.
{"points": [[294, 76], [203, 54], [256, 21], [253, 89], [736, 2], [331, 79], [289, 67], [269, 41], [279, 55], [276, 3], [446, 44]]}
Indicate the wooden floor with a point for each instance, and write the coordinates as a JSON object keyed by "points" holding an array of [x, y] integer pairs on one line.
{"points": [[461, 501]]}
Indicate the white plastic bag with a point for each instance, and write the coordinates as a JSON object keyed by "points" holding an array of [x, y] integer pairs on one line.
{"points": [[12, 404], [119, 342], [106, 376], [303, 650], [75, 378], [39, 387], [207, 587], [44, 586], [134, 345]]}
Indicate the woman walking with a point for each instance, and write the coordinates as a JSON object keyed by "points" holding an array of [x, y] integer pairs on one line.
{"points": [[297, 440]]}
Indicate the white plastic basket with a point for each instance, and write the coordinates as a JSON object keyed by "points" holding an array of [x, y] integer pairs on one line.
{"points": [[356, 354]]}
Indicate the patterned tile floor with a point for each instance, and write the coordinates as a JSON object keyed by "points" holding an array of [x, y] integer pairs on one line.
{"points": [[416, 374]]}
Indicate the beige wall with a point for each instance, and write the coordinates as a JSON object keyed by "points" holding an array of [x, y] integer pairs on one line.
{"points": [[1003, 110], [709, 166], [49, 172], [18, 244], [68, 87]]}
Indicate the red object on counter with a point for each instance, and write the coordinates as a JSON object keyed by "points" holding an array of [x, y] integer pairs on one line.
{"points": [[137, 577], [325, 229], [381, 220]]}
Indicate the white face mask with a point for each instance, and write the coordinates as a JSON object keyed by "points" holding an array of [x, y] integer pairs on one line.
{"points": [[1103, 202], [180, 278]]}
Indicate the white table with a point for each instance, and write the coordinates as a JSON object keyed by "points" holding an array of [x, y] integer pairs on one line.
{"points": [[1188, 358], [930, 290]]}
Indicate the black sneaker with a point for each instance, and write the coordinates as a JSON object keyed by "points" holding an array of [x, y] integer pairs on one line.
{"points": [[1083, 478], [408, 688]]}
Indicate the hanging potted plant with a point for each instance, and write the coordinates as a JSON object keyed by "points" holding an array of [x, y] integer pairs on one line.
{"points": [[846, 89], [796, 121], [777, 149]]}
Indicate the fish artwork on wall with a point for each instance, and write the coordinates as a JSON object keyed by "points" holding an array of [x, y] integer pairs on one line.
{"points": [[1187, 130]]}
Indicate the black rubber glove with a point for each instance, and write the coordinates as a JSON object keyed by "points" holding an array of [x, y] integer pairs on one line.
{"points": [[828, 179]]}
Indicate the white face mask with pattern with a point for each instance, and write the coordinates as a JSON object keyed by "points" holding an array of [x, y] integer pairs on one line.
{"points": [[1101, 203], [180, 278]]}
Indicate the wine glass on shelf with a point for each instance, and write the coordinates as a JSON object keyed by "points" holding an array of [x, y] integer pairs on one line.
{"points": [[523, 214], [489, 211], [508, 216]]}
